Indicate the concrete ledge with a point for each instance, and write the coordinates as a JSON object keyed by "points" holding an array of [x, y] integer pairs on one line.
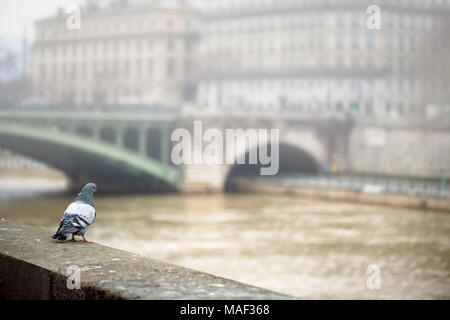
{"points": [[33, 266], [398, 200]]}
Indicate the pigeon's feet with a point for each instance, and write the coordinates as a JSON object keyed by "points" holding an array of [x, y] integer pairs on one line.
{"points": [[73, 239], [84, 239]]}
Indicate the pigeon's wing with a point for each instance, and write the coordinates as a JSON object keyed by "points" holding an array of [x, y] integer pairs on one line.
{"points": [[78, 216], [81, 213], [67, 226]]}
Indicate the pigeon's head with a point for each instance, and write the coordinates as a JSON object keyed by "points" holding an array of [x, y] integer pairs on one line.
{"points": [[87, 194], [90, 187]]}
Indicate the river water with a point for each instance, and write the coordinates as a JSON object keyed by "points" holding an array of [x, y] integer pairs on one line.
{"points": [[307, 248]]}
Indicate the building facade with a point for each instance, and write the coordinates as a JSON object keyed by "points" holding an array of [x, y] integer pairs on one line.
{"points": [[320, 56], [314, 56], [126, 52]]}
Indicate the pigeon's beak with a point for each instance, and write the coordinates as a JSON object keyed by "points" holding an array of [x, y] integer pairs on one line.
{"points": [[94, 189]]}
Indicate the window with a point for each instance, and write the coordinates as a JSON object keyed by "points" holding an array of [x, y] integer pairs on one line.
{"points": [[64, 70], [187, 45], [170, 45], [187, 66], [83, 69], [355, 21], [42, 71], [115, 68], [138, 68], [138, 45], [388, 108], [400, 109], [355, 42], [150, 68], [126, 68], [401, 43], [370, 42], [339, 42], [340, 20]]}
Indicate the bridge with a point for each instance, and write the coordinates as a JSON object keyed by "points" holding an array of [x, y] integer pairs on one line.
{"points": [[130, 151], [120, 151]]}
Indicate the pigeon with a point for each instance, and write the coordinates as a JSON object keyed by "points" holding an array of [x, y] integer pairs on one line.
{"points": [[79, 215]]}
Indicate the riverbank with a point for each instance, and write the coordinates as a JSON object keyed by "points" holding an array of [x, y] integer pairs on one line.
{"points": [[25, 183], [33, 266], [25, 173], [368, 196]]}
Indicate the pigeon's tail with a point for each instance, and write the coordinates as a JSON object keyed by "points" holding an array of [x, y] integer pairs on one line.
{"points": [[59, 237]]}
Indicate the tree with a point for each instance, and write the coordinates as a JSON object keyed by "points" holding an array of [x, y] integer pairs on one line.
{"points": [[14, 87]]}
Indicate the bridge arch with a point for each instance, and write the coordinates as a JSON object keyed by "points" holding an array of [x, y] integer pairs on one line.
{"points": [[84, 158], [307, 140], [292, 160]]}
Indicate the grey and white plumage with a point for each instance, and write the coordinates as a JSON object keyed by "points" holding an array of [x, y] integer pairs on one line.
{"points": [[79, 215]]}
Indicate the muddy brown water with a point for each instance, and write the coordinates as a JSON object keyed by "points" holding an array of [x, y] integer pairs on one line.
{"points": [[306, 248]]}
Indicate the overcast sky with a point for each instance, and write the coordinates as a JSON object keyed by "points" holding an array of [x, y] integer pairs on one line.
{"points": [[16, 14]]}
